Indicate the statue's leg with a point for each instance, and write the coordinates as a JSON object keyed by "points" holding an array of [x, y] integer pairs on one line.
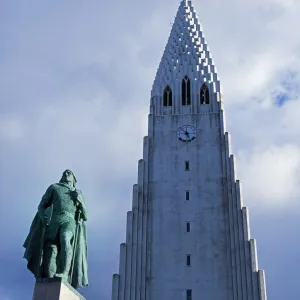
{"points": [[66, 251], [49, 260]]}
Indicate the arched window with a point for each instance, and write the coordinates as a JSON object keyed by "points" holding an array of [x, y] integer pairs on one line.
{"points": [[186, 91], [204, 94], [167, 96]]}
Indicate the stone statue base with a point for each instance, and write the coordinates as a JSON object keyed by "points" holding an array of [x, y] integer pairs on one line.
{"points": [[54, 289]]}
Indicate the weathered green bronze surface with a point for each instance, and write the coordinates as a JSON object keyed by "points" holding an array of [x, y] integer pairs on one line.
{"points": [[56, 245]]}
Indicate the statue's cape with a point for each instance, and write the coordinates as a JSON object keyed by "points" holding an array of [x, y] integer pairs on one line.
{"points": [[32, 247]]}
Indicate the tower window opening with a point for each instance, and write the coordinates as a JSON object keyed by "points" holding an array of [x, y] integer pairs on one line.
{"points": [[188, 226], [186, 91], [188, 260], [168, 96], [204, 94], [187, 165], [188, 294], [187, 195]]}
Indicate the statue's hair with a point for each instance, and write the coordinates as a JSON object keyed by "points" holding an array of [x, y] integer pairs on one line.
{"points": [[75, 180]]}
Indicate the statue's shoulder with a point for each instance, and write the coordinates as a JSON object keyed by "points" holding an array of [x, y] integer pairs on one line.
{"points": [[50, 187], [59, 186], [55, 186]]}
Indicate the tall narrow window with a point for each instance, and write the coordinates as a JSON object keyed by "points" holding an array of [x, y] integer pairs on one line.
{"points": [[187, 195], [188, 226], [187, 165], [204, 94], [188, 294], [168, 96], [186, 91], [188, 260]]}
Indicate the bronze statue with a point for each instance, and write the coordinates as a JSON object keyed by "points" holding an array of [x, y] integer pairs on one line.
{"points": [[56, 244]]}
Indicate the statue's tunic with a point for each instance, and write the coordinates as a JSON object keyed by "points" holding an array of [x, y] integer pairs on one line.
{"points": [[63, 202]]}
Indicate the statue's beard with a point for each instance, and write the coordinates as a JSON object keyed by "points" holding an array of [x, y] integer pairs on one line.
{"points": [[69, 183]]}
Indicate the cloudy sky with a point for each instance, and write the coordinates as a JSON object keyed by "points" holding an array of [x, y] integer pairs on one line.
{"points": [[75, 81]]}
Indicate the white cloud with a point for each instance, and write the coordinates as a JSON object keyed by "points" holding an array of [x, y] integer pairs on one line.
{"points": [[282, 4], [252, 43], [12, 127], [270, 175]]}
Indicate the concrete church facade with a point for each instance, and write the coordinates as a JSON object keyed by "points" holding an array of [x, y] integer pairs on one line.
{"points": [[187, 235]]}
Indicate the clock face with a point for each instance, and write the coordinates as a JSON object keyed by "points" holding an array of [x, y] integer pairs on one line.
{"points": [[186, 133]]}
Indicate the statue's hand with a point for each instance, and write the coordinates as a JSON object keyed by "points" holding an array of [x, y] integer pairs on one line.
{"points": [[79, 197], [78, 204], [45, 220]]}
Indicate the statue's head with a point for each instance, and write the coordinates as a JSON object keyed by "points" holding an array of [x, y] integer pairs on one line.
{"points": [[68, 177]]}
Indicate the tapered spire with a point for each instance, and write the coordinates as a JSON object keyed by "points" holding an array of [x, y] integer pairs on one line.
{"points": [[186, 53]]}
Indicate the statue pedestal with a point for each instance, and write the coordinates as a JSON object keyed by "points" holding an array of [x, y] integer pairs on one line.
{"points": [[54, 289]]}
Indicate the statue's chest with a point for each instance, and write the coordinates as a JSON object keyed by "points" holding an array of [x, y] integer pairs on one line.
{"points": [[64, 198]]}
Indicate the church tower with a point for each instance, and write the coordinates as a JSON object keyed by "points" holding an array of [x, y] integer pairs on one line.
{"points": [[187, 235]]}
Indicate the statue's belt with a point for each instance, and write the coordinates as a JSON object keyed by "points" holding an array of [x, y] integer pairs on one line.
{"points": [[65, 214]]}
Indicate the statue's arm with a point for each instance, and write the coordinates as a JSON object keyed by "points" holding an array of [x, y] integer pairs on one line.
{"points": [[82, 206], [45, 202]]}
